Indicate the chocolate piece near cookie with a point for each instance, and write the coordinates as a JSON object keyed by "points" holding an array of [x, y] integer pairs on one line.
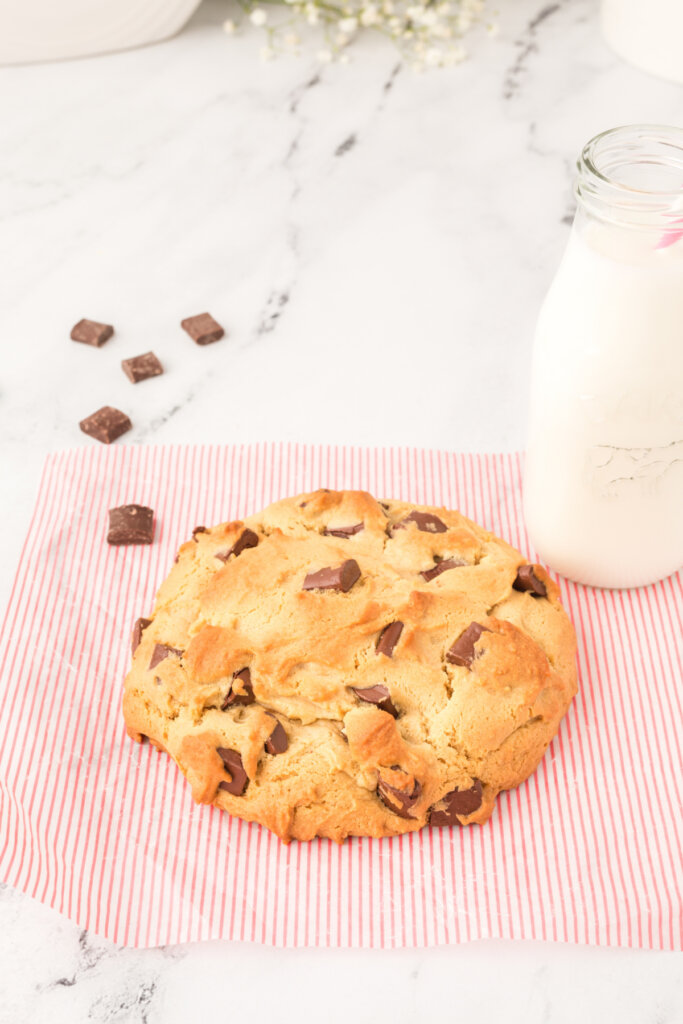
{"points": [[341, 577], [90, 332], [233, 763], [277, 742], [131, 524], [398, 790], [462, 652], [377, 695], [344, 531], [106, 424], [241, 691], [527, 581], [138, 629], [443, 566], [142, 367], [203, 329], [458, 802], [160, 652], [247, 539], [388, 638]]}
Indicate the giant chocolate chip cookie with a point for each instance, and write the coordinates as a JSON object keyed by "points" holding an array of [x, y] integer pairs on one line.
{"points": [[338, 666]]}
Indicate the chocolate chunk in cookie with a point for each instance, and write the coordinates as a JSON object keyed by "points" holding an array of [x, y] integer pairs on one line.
{"points": [[378, 695], [443, 566], [247, 539], [344, 531], [458, 801], [427, 522], [277, 742], [398, 790], [462, 652], [90, 332], [527, 581], [241, 691], [203, 329], [388, 638], [131, 524], [160, 652], [341, 577], [233, 763], [106, 424], [142, 367], [138, 629]]}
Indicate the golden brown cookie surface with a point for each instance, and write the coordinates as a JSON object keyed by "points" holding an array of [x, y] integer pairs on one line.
{"points": [[337, 666]]}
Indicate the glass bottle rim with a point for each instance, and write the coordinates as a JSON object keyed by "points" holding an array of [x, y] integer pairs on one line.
{"points": [[602, 188]]}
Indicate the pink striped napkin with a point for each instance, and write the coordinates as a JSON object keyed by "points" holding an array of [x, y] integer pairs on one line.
{"points": [[588, 850]]}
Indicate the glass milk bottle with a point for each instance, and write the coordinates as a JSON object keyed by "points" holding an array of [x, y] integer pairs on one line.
{"points": [[603, 488]]}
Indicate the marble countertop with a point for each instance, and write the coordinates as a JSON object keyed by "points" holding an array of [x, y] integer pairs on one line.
{"points": [[377, 244]]}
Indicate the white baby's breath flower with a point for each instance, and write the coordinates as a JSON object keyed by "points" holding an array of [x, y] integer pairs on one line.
{"points": [[312, 14], [344, 58], [291, 40], [348, 25], [369, 16], [388, 7], [395, 25], [433, 57], [258, 17], [414, 13], [266, 53], [493, 29], [229, 27], [444, 9], [324, 56]]}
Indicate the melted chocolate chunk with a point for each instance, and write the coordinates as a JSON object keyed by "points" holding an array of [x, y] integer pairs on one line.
{"points": [[202, 328], [142, 367], [277, 742], [462, 652], [247, 539], [341, 577], [197, 530], [160, 652], [241, 691], [528, 581], [131, 524], [425, 521], [233, 763], [388, 638], [443, 566], [106, 424], [379, 696], [90, 332], [344, 531], [138, 629], [458, 801], [398, 798]]}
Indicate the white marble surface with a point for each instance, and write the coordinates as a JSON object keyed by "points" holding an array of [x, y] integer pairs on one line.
{"points": [[377, 244]]}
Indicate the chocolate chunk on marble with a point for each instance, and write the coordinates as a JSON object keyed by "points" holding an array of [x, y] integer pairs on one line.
{"points": [[427, 522], [203, 329], [142, 367], [527, 581], [398, 791], [241, 691], [131, 524], [341, 577], [462, 652], [443, 566], [90, 332], [277, 742], [344, 531], [233, 763], [377, 695], [457, 802], [388, 638], [247, 539], [138, 629], [106, 424], [160, 652]]}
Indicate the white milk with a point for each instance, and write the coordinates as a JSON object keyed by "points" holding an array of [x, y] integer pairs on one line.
{"points": [[604, 469], [648, 33]]}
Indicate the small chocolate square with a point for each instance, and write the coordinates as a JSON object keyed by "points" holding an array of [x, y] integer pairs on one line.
{"points": [[106, 424], [202, 328], [141, 367], [91, 333], [131, 524]]}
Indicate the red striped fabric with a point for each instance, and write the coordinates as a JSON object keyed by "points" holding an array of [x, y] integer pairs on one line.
{"points": [[105, 831]]}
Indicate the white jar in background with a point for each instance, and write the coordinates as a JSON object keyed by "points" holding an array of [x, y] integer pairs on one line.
{"points": [[603, 489], [647, 33]]}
